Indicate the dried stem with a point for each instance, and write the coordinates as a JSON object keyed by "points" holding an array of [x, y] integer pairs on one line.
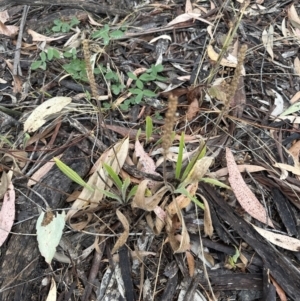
{"points": [[168, 129]]}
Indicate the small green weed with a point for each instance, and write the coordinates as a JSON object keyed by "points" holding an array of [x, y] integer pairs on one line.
{"points": [[138, 90], [149, 128], [107, 35], [194, 171], [76, 68], [71, 53], [158, 116], [60, 26], [232, 260], [124, 195], [46, 56], [116, 86]]}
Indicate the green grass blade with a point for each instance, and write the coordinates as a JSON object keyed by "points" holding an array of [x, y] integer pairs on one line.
{"points": [[180, 156], [200, 154], [138, 134], [71, 174], [132, 192], [114, 176], [4, 139], [203, 152], [125, 185], [215, 183], [192, 198], [149, 128], [111, 195], [189, 167]]}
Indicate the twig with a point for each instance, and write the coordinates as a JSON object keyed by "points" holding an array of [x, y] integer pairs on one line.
{"points": [[17, 68]]}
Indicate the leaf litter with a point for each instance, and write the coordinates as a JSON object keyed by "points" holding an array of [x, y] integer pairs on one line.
{"points": [[215, 106]]}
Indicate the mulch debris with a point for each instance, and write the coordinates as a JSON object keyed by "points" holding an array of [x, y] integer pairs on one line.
{"points": [[234, 69]]}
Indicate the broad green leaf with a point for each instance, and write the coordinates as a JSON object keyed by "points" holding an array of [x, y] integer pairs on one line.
{"points": [[114, 176], [74, 21], [50, 54], [215, 183], [65, 27], [138, 98], [110, 75], [132, 75], [139, 84], [71, 174], [129, 101], [97, 71], [56, 53], [116, 34], [158, 68], [161, 78], [147, 77], [154, 73], [43, 65], [74, 51], [68, 54], [56, 28], [49, 232], [35, 65], [124, 107], [149, 93], [57, 22], [149, 128], [100, 33], [43, 56], [135, 91], [115, 89], [179, 158], [105, 38]]}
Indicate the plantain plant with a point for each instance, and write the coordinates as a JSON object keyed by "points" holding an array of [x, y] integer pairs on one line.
{"points": [[124, 195]]}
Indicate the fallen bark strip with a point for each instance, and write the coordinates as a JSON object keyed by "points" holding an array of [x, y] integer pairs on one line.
{"points": [[97, 8], [281, 268]]}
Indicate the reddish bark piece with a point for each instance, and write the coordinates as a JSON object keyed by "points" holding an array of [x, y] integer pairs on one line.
{"points": [[244, 195]]}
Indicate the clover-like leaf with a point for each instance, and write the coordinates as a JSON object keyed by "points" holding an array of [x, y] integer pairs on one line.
{"points": [[147, 77], [116, 34], [35, 65], [149, 93], [43, 56], [140, 84], [50, 54]]}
